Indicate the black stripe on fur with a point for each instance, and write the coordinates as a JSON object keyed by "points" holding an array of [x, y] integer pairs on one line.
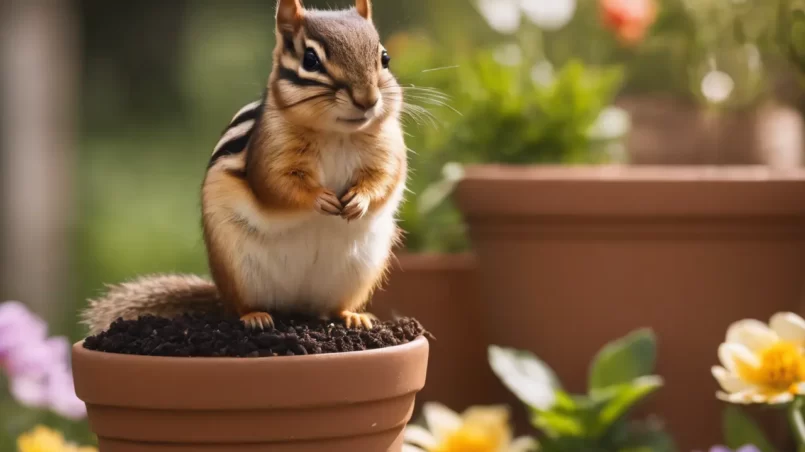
{"points": [[293, 77], [239, 144]]}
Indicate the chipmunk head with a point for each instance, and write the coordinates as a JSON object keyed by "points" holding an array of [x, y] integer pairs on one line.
{"points": [[330, 70]]}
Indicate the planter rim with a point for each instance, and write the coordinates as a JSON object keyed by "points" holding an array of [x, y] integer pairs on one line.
{"points": [[631, 191], [633, 173], [175, 383], [78, 348]]}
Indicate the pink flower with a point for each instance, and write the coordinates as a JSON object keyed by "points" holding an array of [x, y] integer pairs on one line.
{"points": [[18, 326], [37, 358], [38, 367], [629, 19]]}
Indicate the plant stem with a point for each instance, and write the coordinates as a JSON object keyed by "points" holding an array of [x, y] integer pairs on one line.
{"points": [[798, 422]]}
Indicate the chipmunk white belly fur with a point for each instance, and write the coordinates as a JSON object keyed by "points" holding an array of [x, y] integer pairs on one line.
{"points": [[307, 261], [300, 198]]}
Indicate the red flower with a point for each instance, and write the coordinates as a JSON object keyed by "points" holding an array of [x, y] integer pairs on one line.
{"points": [[629, 19]]}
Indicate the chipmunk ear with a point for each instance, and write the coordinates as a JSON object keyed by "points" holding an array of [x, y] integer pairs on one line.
{"points": [[364, 8], [289, 15]]}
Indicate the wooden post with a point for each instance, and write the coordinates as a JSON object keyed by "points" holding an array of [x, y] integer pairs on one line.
{"points": [[38, 86]]}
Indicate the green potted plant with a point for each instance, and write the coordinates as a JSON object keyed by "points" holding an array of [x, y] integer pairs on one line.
{"points": [[602, 418], [707, 86]]}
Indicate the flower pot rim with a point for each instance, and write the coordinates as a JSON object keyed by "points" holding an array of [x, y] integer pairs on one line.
{"points": [[78, 348], [632, 173], [174, 383], [672, 192]]}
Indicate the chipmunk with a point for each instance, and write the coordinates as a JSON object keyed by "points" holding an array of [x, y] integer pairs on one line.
{"points": [[300, 197]]}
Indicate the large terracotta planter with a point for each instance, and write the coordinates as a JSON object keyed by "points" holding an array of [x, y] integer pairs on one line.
{"points": [[672, 131], [335, 403], [441, 291], [571, 258]]}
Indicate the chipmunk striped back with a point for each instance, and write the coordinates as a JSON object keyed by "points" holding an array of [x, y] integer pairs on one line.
{"points": [[238, 132]]}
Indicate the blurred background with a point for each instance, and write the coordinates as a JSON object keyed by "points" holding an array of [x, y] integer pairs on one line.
{"points": [[109, 111]]}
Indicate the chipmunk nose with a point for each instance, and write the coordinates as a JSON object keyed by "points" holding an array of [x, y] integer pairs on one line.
{"points": [[366, 100]]}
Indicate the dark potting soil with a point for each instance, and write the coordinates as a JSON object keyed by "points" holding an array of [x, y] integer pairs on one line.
{"points": [[218, 336]]}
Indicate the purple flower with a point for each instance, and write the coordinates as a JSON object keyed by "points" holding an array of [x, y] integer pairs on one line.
{"points": [[18, 326], [746, 448], [38, 367]]}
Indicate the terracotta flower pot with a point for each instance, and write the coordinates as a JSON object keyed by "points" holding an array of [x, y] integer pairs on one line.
{"points": [[669, 131], [441, 291], [571, 258], [346, 402]]}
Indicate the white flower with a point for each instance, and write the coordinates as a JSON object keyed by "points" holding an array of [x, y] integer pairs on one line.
{"points": [[509, 55], [613, 123], [717, 86], [503, 16], [479, 429], [549, 15], [763, 363], [543, 73]]}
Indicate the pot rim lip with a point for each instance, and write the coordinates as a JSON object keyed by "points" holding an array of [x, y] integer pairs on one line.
{"points": [[610, 192], [625, 173], [78, 348]]}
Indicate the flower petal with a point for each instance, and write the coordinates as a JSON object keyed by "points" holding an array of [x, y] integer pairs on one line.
{"points": [[503, 16], [549, 15], [62, 397], [783, 397], [789, 326], [441, 420], [488, 415], [729, 382], [32, 393], [732, 355], [747, 448], [18, 327], [523, 444], [419, 436], [410, 448], [753, 334], [744, 397]]}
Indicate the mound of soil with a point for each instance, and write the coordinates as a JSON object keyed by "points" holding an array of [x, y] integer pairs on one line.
{"points": [[218, 336]]}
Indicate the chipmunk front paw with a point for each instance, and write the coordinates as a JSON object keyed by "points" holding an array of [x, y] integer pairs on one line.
{"points": [[328, 204], [258, 320], [355, 320], [355, 205]]}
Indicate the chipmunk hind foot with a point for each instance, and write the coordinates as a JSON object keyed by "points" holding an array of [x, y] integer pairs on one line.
{"points": [[358, 320], [258, 321]]}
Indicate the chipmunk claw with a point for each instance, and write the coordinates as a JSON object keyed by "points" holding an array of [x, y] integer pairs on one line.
{"points": [[328, 204], [355, 320], [355, 205], [258, 320]]}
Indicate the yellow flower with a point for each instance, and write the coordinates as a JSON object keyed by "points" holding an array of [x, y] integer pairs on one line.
{"points": [[43, 439], [763, 363], [479, 429]]}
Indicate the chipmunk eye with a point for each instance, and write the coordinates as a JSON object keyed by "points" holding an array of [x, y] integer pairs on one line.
{"points": [[311, 61], [385, 58]]}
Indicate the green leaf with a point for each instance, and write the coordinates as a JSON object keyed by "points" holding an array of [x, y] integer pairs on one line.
{"points": [[622, 399], [740, 430], [530, 379], [568, 417], [624, 360], [570, 444], [558, 424], [640, 434]]}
